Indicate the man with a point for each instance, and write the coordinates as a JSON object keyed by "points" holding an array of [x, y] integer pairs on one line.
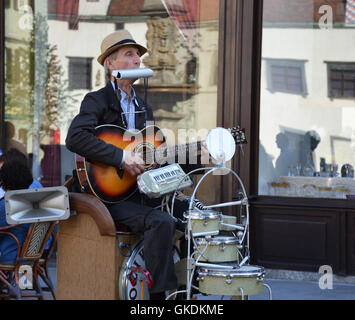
{"points": [[118, 104], [11, 142], [287, 156], [310, 142]]}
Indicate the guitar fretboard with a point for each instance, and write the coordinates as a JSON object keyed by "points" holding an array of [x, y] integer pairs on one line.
{"points": [[170, 152]]}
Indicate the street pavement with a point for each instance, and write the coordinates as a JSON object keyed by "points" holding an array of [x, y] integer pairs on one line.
{"points": [[301, 290], [288, 288]]}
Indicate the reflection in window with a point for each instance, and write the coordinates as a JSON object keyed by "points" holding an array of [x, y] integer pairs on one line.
{"points": [[191, 71], [341, 80], [51, 68], [307, 136], [80, 73], [350, 12], [286, 76], [8, 64], [16, 5]]}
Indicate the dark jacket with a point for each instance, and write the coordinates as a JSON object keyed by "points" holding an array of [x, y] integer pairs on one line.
{"points": [[98, 108]]}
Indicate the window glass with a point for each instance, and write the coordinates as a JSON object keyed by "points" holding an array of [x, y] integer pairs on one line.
{"points": [[50, 65], [79, 73], [307, 132]]}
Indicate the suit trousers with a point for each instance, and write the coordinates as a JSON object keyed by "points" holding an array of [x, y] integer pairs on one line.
{"points": [[143, 215]]}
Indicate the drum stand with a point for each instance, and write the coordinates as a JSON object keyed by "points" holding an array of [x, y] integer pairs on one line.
{"points": [[242, 236]]}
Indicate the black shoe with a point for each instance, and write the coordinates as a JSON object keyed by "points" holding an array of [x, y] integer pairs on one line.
{"points": [[157, 296]]}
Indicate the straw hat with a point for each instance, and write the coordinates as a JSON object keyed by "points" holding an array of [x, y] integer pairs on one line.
{"points": [[117, 40]]}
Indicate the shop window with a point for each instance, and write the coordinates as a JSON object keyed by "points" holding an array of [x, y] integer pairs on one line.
{"points": [[286, 76], [307, 137], [54, 66], [341, 80], [80, 73]]}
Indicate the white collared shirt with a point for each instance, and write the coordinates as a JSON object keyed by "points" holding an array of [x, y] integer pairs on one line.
{"points": [[128, 107]]}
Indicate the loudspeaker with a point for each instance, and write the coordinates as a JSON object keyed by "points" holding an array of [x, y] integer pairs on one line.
{"points": [[37, 205]]}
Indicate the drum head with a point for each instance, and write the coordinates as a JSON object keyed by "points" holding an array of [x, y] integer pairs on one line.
{"points": [[201, 215], [244, 271], [217, 240]]}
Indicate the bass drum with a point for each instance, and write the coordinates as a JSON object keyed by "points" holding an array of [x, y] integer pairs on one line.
{"points": [[138, 290]]}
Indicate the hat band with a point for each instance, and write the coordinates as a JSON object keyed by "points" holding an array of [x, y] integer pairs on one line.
{"points": [[122, 42]]}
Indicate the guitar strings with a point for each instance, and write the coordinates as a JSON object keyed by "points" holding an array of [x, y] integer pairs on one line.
{"points": [[165, 150], [236, 132]]}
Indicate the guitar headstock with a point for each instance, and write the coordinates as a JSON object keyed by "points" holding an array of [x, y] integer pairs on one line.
{"points": [[238, 135]]}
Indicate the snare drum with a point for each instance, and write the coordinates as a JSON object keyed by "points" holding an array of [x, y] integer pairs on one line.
{"points": [[203, 222], [219, 249], [228, 282]]}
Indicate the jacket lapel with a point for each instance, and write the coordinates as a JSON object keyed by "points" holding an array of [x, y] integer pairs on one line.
{"points": [[140, 117], [115, 104]]}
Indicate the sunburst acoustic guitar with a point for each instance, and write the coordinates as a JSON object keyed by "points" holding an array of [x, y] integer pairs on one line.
{"points": [[111, 184]]}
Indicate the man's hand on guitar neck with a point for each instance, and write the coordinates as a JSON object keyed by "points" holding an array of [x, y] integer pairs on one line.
{"points": [[133, 163]]}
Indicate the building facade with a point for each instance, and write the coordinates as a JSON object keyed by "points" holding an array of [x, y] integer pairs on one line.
{"points": [[282, 69]]}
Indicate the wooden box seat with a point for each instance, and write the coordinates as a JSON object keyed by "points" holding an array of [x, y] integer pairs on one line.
{"points": [[88, 261]]}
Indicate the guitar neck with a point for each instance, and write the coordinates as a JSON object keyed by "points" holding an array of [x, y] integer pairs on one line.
{"points": [[189, 151]]}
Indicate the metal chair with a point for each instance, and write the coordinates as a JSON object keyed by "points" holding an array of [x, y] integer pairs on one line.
{"points": [[30, 255]]}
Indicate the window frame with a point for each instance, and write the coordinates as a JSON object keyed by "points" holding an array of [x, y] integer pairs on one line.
{"points": [[338, 66], [88, 63], [286, 63], [2, 74]]}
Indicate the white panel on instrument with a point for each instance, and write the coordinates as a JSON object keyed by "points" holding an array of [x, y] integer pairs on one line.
{"points": [[220, 144], [158, 182]]}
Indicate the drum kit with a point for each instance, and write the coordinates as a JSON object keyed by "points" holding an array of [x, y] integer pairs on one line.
{"points": [[218, 252]]}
